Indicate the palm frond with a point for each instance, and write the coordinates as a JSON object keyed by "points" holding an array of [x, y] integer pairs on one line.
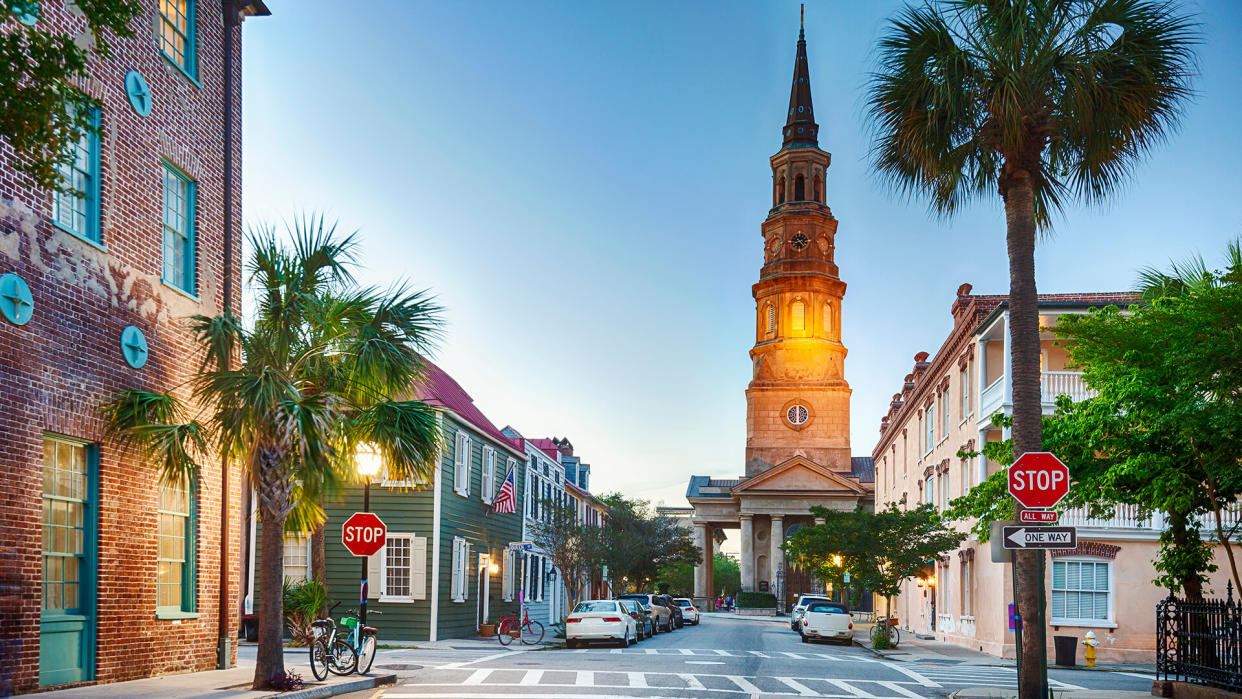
{"points": [[219, 336], [407, 434], [154, 426]]}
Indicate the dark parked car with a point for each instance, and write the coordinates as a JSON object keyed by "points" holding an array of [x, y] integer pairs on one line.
{"points": [[679, 619], [661, 615], [642, 617]]}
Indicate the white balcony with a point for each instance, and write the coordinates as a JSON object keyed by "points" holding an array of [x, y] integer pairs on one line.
{"points": [[1063, 383], [1124, 517], [992, 397]]}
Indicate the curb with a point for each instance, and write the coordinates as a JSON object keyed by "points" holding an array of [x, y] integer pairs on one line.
{"points": [[342, 688], [870, 650]]}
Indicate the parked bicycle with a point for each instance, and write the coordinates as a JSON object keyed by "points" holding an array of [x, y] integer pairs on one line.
{"points": [[341, 655], [530, 631], [885, 626]]}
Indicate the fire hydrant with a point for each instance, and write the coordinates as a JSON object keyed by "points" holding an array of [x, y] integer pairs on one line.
{"points": [[1090, 643]]}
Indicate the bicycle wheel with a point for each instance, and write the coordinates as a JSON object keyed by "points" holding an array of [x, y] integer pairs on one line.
{"points": [[342, 660], [894, 636], [366, 656], [319, 658], [503, 633], [532, 633]]}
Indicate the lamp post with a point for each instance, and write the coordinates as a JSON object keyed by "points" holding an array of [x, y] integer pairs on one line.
{"points": [[368, 462], [780, 588]]}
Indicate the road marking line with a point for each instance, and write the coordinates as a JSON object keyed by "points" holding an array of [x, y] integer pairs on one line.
{"points": [[725, 653], [1066, 685], [652, 651], [792, 655], [798, 687], [854, 691], [1139, 675], [615, 651], [585, 678], [692, 682], [532, 677], [744, 684], [477, 677], [761, 654], [687, 651], [454, 666], [894, 687], [926, 682], [705, 662], [581, 650], [637, 679]]}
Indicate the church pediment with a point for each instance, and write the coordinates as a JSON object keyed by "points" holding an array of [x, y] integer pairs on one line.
{"points": [[799, 474]]}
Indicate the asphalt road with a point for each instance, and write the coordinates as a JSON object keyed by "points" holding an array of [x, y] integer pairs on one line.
{"points": [[724, 657]]}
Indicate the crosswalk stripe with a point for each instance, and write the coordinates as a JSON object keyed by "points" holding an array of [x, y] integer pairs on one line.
{"points": [[477, 677], [652, 651], [637, 679], [532, 677], [798, 686], [585, 678], [686, 651], [725, 653], [792, 655], [691, 681], [744, 684], [925, 681], [615, 651], [761, 654], [854, 691], [894, 687]]}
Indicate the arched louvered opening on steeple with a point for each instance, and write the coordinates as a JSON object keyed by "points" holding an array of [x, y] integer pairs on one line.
{"points": [[799, 188], [828, 319], [769, 320], [780, 190], [819, 189], [797, 316]]}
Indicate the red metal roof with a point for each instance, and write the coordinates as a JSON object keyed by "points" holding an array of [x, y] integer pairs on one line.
{"points": [[548, 447], [441, 390]]}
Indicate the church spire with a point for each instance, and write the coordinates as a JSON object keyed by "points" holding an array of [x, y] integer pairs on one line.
{"points": [[800, 127]]}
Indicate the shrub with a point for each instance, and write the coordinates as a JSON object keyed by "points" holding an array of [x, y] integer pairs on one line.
{"points": [[302, 602], [756, 600], [286, 681]]}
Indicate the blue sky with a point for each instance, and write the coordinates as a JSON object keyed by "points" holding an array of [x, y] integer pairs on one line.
{"points": [[582, 185]]}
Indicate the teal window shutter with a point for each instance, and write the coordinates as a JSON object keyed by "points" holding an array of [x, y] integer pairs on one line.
{"points": [[76, 210], [178, 224]]}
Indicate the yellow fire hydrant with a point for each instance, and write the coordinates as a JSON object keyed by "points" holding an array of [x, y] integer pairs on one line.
{"points": [[1090, 643]]}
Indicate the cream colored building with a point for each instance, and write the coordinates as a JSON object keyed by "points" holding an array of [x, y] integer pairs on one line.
{"points": [[945, 406]]}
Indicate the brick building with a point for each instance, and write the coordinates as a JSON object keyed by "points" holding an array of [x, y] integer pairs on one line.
{"points": [[110, 576], [945, 405]]}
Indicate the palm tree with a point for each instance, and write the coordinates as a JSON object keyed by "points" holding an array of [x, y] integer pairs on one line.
{"points": [[1040, 101], [322, 369], [1190, 275]]}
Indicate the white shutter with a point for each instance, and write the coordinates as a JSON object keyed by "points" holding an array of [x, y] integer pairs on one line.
{"points": [[375, 573], [456, 577], [488, 480], [418, 567], [465, 570], [506, 575]]}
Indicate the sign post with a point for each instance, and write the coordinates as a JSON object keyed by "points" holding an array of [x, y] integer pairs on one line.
{"points": [[364, 534]]}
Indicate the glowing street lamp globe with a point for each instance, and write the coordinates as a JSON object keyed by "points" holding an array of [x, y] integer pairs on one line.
{"points": [[368, 461]]}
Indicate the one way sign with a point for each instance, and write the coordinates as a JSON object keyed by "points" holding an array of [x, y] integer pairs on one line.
{"points": [[1040, 537]]}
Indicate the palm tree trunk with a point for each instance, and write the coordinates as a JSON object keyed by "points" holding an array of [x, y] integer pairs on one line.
{"points": [[270, 615], [1027, 411]]}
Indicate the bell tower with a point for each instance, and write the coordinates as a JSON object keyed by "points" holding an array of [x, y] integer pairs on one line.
{"points": [[798, 402]]}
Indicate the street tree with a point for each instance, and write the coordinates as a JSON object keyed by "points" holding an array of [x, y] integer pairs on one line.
{"points": [[577, 550], [726, 576], [641, 543], [42, 115], [912, 538], [1164, 431], [322, 368], [1039, 101]]}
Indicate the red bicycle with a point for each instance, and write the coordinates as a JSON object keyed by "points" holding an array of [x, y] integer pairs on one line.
{"points": [[530, 631]]}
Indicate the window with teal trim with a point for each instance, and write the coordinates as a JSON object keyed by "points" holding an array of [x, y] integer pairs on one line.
{"points": [[76, 209], [175, 572], [177, 33], [178, 229], [66, 497]]}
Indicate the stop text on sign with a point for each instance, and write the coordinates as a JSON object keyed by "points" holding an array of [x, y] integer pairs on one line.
{"points": [[363, 534], [1038, 480]]}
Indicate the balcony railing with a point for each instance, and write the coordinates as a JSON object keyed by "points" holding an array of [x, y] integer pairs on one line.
{"points": [[992, 397], [1124, 517], [1063, 383]]}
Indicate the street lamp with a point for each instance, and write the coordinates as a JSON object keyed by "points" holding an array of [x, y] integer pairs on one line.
{"points": [[368, 461]]}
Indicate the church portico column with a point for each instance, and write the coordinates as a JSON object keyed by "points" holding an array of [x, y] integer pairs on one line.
{"points": [[747, 564], [700, 570]]}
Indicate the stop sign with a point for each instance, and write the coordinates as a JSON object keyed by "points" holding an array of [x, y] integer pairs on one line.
{"points": [[363, 534], [1038, 479]]}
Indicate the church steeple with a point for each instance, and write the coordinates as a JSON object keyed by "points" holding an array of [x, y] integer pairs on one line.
{"points": [[800, 127]]}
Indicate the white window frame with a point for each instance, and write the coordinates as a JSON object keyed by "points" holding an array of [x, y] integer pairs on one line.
{"points": [[1111, 621], [967, 576], [461, 464], [303, 540], [929, 429], [945, 482], [945, 419], [487, 489], [385, 596], [965, 382], [506, 575], [460, 579]]}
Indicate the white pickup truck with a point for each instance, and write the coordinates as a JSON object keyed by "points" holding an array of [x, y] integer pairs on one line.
{"points": [[829, 621]]}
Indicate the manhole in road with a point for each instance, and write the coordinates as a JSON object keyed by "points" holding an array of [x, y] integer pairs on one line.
{"points": [[399, 667]]}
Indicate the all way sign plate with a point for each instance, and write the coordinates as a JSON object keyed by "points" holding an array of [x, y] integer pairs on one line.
{"points": [[1040, 537]]}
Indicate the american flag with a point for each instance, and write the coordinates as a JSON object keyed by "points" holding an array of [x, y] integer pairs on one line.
{"points": [[506, 499]]}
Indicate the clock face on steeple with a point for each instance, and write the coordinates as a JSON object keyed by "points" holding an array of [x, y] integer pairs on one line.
{"points": [[799, 241]]}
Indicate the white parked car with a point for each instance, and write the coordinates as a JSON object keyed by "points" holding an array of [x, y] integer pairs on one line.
{"points": [[688, 611], [795, 615], [828, 621], [600, 620]]}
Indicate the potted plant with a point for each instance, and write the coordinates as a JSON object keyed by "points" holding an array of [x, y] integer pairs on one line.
{"points": [[487, 629]]}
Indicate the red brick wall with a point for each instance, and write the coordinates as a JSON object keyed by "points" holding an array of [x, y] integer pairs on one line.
{"points": [[58, 368]]}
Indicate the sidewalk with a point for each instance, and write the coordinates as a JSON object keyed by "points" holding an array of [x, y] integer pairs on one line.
{"points": [[993, 693], [233, 683]]}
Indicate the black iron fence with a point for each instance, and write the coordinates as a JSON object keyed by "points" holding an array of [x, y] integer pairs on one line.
{"points": [[1200, 641]]}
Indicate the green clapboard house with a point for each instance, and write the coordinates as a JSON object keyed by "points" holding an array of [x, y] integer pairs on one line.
{"points": [[446, 566]]}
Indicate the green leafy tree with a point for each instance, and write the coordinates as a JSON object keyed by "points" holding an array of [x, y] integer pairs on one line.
{"points": [[41, 115], [1039, 101], [641, 543], [323, 367], [846, 541], [579, 551], [727, 576]]}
